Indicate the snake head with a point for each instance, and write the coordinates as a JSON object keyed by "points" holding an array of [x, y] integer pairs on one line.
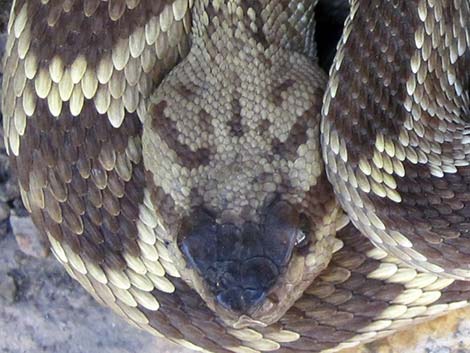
{"points": [[231, 150], [245, 268]]}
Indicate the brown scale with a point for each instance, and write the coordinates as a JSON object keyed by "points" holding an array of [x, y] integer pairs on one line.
{"points": [[456, 292], [73, 205], [434, 212], [80, 29], [235, 124], [277, 91], [167, 209], [365, 68]]}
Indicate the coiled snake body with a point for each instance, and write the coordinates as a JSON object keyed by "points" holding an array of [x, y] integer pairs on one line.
{"points": [[173, 153]]}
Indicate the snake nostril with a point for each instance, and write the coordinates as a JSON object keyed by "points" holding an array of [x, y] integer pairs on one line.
{"points": [[258, 273]]}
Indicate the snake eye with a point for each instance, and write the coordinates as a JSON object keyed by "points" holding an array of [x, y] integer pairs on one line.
{"points": [[303, 234], [300, 238]]}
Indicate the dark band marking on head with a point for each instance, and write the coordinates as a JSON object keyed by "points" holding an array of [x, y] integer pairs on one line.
{"points": [[166, 128], [235, 123], [297, 135], [163, 202], [185, 91], [276, 93], [263, 126]]}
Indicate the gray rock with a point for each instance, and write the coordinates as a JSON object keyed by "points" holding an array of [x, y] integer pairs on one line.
{"points": [[53, 314], [2, 134], [29, 240], [4, 214], [7, 289], [8, 184], [4, 211]]}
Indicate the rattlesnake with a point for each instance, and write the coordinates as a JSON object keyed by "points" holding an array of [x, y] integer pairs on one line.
{"points": [[173, 155]]}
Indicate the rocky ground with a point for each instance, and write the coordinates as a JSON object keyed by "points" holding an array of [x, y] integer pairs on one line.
{"points": [[42, 310]]}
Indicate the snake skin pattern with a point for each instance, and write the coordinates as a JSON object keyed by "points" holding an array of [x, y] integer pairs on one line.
{"points": [[140, 128]]}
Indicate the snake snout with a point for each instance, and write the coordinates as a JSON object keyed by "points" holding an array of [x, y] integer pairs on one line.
{"points": [[240, 264], [245, 284]]}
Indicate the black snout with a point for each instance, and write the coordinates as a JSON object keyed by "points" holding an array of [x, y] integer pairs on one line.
{"points": [[241, 264]]}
